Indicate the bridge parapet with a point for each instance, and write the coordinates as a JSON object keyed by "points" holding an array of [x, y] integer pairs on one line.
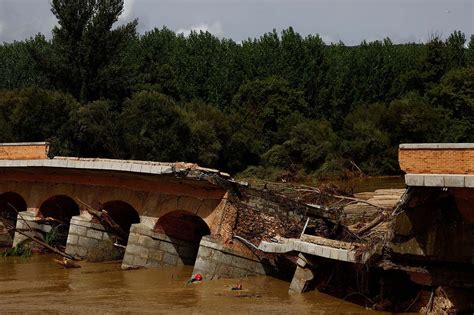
{"points": [[24, 151], [438, 164]]}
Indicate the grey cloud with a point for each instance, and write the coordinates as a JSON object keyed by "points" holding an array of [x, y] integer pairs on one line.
{"points": [[350, 21]]}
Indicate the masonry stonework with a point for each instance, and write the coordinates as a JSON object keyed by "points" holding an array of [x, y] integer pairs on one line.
{"points": [[214, 260], [148, 248], [27, 224], [91, 241]]}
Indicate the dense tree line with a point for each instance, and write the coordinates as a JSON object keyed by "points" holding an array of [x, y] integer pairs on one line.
{"points": [[278, 105]]}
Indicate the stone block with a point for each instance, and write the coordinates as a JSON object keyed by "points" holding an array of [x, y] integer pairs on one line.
{"points": [[78, 230], [133, 249], [169, 247], [333, 253], [81, 251], [139, 261], [72, 239], [143, 230], [143, 253], [87, 242], [301, 279], [469, 181], [125, 166], [133, 238], [326, 252], [317, 250], [205, 251], [242, 263], [170, 259], [152, 243], [146, 168], [414, 180], [98, 235], [225, 271], [155, 255], [343, 255], [434, 181], [155, 169], [238, 273], [141, 240], [136, 167], [128, 259], [260, 269], [454, 180], [71, 249]]}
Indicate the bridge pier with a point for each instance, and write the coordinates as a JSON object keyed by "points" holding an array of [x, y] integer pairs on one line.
{"points": [[91, 241], [214, 261], [303, 277], [25, 222], [149, 248]]}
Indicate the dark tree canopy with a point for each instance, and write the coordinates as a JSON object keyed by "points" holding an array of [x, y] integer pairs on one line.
{"points": [[270, 106]]}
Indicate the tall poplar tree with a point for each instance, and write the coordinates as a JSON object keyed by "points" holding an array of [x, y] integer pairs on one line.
{"points": [[87, 51]]}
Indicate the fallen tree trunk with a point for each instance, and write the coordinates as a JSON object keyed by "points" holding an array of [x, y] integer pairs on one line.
{"points": [[104, 217], [379, 219], [45, 245]]}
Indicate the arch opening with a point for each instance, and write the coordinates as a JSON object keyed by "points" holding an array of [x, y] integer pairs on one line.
{"points": [[57, 212], [10, 203], [123, 214], [186, 227]]}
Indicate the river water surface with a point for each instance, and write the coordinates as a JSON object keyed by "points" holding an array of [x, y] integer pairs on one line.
{"points": [[38, 285]]}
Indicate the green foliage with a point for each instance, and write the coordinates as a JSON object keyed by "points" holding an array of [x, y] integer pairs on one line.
{"points": [[52, 236], [153, 128], [86, 55], [21, 250], [93, 130], [278, 106]]}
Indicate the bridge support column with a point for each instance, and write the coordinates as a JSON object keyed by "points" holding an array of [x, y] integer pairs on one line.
{"points": [[5, 237], [303, 276], [215, 261], [24, 222], [148, 248], [90, 241]]}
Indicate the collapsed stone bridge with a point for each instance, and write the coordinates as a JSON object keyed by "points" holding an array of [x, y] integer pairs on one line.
{"points": [[168, 211]]}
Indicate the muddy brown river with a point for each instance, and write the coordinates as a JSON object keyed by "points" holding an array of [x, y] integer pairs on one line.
{"points": [[38, 285]]}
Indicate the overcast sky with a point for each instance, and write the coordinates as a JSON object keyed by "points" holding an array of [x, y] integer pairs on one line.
{"points": [[350, 21]]}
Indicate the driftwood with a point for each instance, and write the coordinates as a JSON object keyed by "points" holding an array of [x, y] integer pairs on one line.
{"points": [[66, 263], [379, 219], [104, 217], [48, 220]]}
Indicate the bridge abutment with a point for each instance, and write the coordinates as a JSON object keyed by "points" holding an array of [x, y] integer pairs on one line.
{"points": [[91, 241]]}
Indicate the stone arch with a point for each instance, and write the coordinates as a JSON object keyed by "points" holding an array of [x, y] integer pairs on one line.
{"points": [[122, 213], [182, 225], [183, 230], [59, 208], [10, 203]]}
